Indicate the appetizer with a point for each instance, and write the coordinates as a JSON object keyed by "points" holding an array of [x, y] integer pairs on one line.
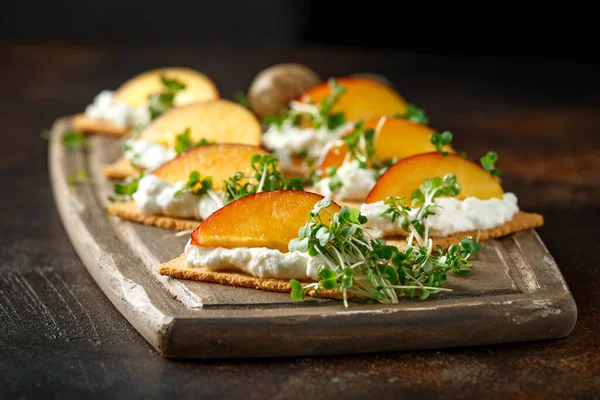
{"points": [[199, 181], [304, 243], [351, 165], [142, 98], [462, 199], [321, 115], [220, 121], [425, 217]]}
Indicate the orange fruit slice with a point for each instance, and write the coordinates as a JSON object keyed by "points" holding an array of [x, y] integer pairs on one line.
{"points": [[267, 219]]}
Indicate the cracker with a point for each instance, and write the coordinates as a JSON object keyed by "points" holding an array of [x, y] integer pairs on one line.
{"points": [[520, 222], [129, 211], [85, 124], [178, 268], [120, 169]]}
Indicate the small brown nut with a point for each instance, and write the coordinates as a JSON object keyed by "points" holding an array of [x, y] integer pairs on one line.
{"points": [[273, 88]]}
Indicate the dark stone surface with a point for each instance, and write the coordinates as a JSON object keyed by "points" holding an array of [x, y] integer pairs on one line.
{"points": [[60, 337]]}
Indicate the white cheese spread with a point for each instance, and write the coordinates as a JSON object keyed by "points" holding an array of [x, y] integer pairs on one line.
{"points": [[106, 108], [356, 182], [155, 196], [452, 216], [257, 261], [146, 154], [288, 140]]}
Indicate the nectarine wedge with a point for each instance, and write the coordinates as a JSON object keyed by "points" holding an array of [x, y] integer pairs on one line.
{"points": [[267, 219], [362, 99], [220, 161], [198, 87], [408, 174], [220, 121], [397, 138]]}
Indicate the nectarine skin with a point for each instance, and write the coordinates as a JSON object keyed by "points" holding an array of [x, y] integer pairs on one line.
{"points": [[219, 161], [363, 98], [408, 174], [397, 138], [220, 121], [136, 90], [268, 219]]}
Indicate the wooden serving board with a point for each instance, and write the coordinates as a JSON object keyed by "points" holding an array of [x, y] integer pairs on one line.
{"points": [[515, 293]]}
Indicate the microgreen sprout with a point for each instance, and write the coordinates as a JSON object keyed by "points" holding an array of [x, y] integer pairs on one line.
{"points": [[184, 142], [441, 140], [80, 177], [241, 98], [266, 176], [318, 115], [73, 140], [488, 162], [126, 189], [361, 144], [356, 263], [160, 102], [412, 220], [414, 114]]}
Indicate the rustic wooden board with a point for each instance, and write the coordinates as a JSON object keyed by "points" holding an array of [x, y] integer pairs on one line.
{"points": [[515, 293]]}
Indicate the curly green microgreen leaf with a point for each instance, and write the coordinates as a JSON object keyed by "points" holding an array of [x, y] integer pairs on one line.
{"points": [[488, 162], [441, 140]]}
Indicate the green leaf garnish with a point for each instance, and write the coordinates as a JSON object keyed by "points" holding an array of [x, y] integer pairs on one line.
{"points": [[354, 262], [241, 98], [172, 85], [196, 185], [361, 144], [488, 162], [184, 142], [414, 114], [266, 176], [80, 177], [423, 199], [160, 102], [317, 115], [126, 189], [441, 140], [73, 140], [298, 293]]}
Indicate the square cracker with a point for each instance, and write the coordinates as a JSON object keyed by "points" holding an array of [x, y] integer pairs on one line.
{"points": [[178, 268], [129, 211], [85, 124], [120, 169], [520, 222]]}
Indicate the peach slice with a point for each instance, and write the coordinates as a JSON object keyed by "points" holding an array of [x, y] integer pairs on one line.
{"points": [[267, 219], [407, 175], [397, 138], [199, 87], [363, 98], [220, 161], [220, 121]]}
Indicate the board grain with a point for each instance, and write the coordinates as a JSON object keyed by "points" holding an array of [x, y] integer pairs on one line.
{"points": [[515, 293]]}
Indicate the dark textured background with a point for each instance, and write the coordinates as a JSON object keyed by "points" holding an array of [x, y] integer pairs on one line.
{"points": [[518, 29], [61, 338]]}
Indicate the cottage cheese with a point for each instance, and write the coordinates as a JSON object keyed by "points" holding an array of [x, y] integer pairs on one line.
{"points": [[452, 216], [288, 139], [106, 108], [357, 182], [155, 196], [260, 262], [146, 154]]}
